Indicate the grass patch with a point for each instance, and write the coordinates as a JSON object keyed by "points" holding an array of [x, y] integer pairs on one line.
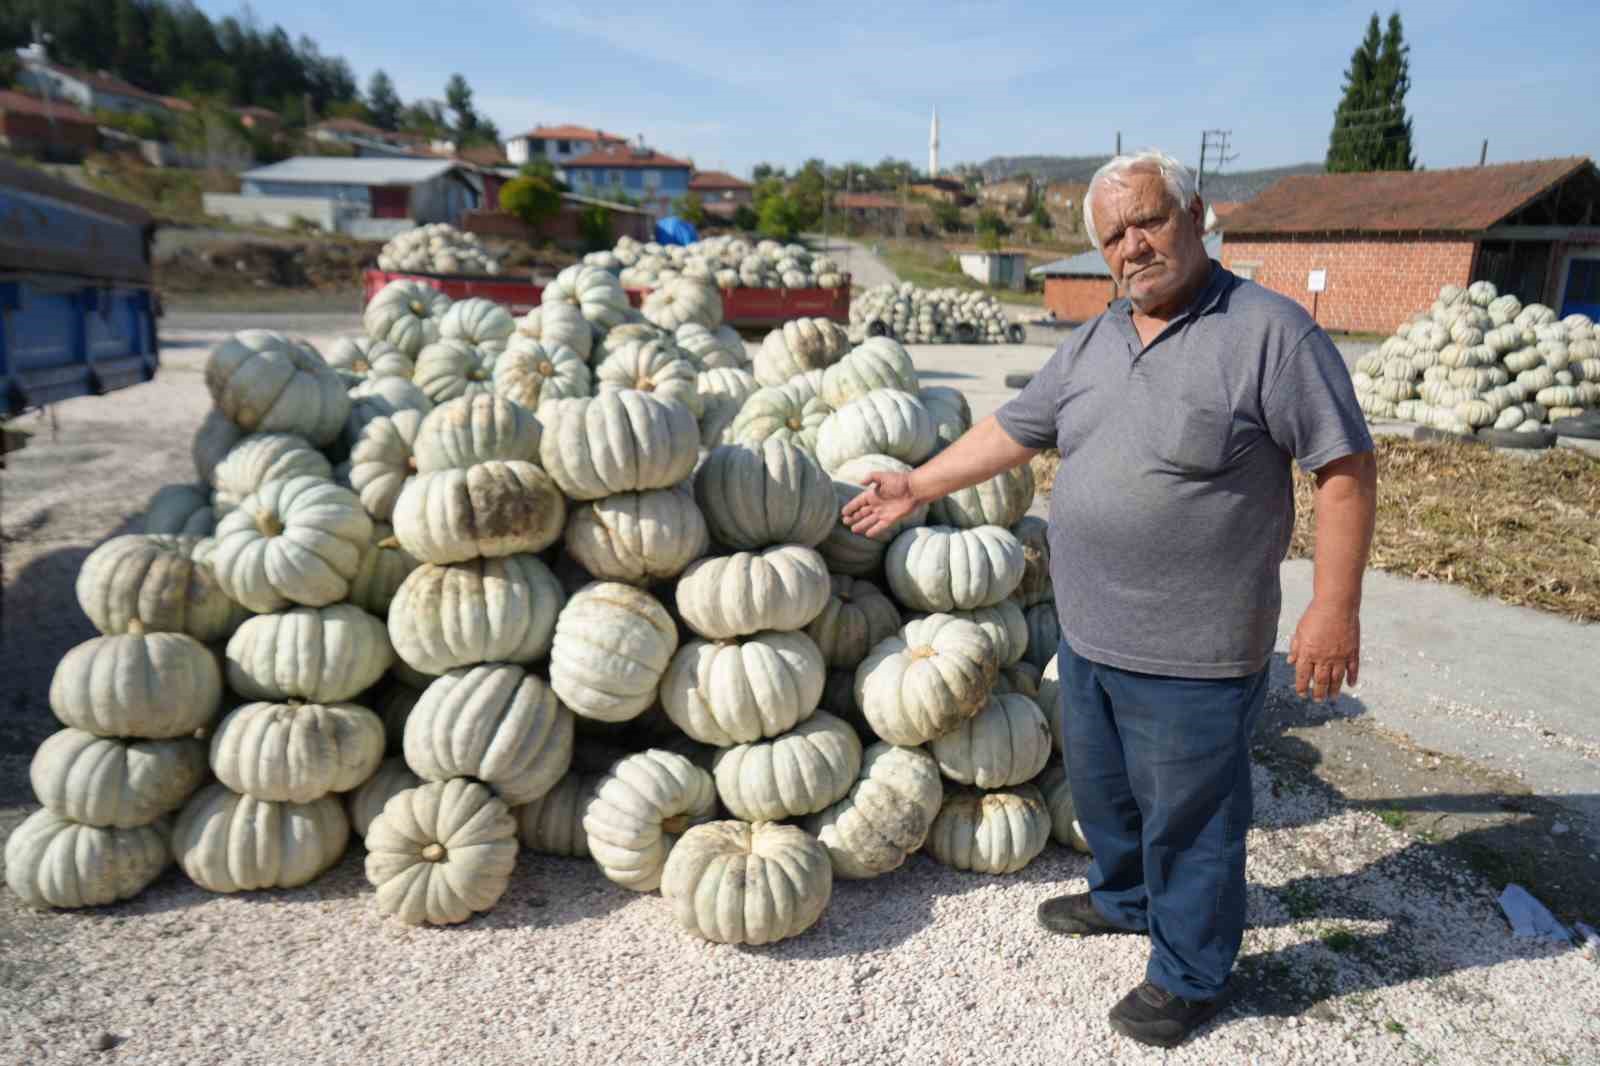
{"points": [[1523, 532], [1300, 902], [1519, 531], [1339, 939], [1394, 818], [1395, 1027]]}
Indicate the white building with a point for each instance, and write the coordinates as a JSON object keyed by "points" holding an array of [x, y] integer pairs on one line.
{"points": [[557, 144]]}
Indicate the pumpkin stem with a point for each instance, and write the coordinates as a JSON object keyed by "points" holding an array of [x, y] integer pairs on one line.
{"points": [[417, 307], [269, 524], [923, 651], [545, 369], [411, 463], [433, 852], [135, 628], [678, 823], [794, 424]]}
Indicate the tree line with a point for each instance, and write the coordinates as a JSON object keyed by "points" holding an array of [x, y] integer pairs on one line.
{"points": [[172, 48]]}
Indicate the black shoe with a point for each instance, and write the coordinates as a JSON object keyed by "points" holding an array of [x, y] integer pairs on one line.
{"points": [[1152, 1015], [1076, 916]]}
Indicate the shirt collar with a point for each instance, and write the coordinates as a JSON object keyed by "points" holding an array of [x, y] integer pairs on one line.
{"points": [[1204, 302]]}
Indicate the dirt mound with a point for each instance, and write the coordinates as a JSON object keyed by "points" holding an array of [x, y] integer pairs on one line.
{"points": [[247, 264]]}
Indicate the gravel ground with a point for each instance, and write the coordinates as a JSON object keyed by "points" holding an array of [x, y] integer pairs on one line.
{"points": [[1365, 946]]}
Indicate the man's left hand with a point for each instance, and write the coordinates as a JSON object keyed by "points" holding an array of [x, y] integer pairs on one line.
{"points": [[1325, 651]]}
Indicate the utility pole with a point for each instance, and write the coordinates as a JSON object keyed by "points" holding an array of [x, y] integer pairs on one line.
{"points": [[1483, 153], [1213, 143], [1119, 142]]}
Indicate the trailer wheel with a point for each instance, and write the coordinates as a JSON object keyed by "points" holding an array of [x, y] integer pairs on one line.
{"points": [[1584, 427], [1015, 333], [1509, 438], [877, 328], [966, 333], [1018, 381]]}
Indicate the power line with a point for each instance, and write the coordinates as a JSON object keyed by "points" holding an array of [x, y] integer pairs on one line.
{"points": [[1213, 144]]}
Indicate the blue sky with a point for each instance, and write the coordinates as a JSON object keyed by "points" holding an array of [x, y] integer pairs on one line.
{"points": [[733, 83]]}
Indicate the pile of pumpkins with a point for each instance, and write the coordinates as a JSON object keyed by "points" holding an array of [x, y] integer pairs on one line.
{"points": [[575, 584], [437, 248], [915, 315], [727, 262], [1479, 360]]}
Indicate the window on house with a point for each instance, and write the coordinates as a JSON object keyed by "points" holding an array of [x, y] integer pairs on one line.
{"points": [[614, 177], [563, 147], [536, 145], [1246, 269]]}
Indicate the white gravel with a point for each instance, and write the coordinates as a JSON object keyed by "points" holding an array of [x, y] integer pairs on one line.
{"points": [[927, 965]]}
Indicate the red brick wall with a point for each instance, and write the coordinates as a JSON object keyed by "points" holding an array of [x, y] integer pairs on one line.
{"points": [[1374, 283], [35, 133], [1077, 299]]}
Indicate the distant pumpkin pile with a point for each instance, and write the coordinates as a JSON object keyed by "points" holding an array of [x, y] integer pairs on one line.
{"points": [[575, 584], [726, 262], [916, 315], [1478, 360], [437, 248]]}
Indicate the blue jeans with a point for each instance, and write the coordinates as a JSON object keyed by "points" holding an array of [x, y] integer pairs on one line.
{"points": [[1160, 775]]}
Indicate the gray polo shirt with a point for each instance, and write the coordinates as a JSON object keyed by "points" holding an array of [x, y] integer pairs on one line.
{"points": [[1174, 504]]}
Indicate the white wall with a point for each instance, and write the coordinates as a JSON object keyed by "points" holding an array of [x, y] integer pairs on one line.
{"points": [[281, 211]]}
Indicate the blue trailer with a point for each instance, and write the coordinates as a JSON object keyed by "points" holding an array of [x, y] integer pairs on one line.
{"points": [[77, 307]]}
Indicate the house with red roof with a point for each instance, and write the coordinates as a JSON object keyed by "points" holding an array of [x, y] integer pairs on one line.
{"points": [[716, 187], [89, 90], [557, 144], [1381, 244], [643, 175]]}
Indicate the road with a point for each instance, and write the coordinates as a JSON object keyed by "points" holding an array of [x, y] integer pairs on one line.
{"points": [[866, 269]]}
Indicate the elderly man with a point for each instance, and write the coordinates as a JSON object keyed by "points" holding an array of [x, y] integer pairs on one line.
{"points": [[1177, 412]]}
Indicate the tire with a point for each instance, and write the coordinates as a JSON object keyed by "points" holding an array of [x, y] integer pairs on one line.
{"points": [[1510, 438], [1015, 333], [1018, 381], [877, 328], [1583, 427], [966, 333], [1429, 433]]}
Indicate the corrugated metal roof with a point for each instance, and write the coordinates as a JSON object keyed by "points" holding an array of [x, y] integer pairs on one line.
{"points": [[1092, 264], [1462, 200], [339, 170]]}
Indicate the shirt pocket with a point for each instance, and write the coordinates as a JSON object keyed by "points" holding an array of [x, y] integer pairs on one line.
{"points": [[1193, 431]]}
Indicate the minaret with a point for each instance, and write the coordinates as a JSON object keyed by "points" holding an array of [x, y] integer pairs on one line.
{"points": [[933, 145]]}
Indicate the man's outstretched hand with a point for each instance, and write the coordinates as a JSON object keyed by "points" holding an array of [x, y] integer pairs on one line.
{"points": [[887, 500]]}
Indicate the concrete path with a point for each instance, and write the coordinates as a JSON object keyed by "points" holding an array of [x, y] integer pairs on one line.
{"points": [[865, 268]]}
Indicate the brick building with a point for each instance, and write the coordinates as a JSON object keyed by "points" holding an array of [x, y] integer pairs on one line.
{"points": [[1079, 287], [1389, 240]]}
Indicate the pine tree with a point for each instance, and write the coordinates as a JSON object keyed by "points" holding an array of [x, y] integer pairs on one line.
{"points": [[1370, 127], [458, 98], [383, 101]]}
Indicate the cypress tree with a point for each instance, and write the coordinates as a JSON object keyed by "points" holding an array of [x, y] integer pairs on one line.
{"points": [[1370, 128]]}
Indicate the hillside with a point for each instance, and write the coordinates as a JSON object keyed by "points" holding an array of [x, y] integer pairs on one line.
{"points": [[1235, 185]]}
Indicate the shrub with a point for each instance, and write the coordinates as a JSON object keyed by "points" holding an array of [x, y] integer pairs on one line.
{"points": [[533, 200], [594, 223]]}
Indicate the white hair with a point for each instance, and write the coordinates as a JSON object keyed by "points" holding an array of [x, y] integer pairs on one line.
{"points": [[1178, 179]]}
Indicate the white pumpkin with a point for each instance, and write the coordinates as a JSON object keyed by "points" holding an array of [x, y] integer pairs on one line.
{"points": [[792, 411], [712, 348], [782, 588], [1006, 743], [259, 458], [734, 883], [637, 537], [950, 410], [266, 382], [554, 326], [211, 441], [926, 680], [226, 842], [847, 551], [1006, 626], [441, 852], [1002, 500], [612, 645], [658, 367], [482, 610], [757, 497], [886, 815], [379, 397], [878, 363], [476, 429], [625, 441], [796, 773], [596, 293], [858, 617], [156, 583], [723, 392], [940, 568], [734, 692], [495, 723], [381, 461], [481, 323], [490, 510], [383, 569], [181, 510], [53, 861], [639, 809], [797, 346], [529, 373], [367, 801], [321, 654], [990, 832], [684, 300], [1057, 794], [364, 357], [883, 422], [553, 823], [448, 370], [296, 752], [299, 540], [406, 314], [109, 782], [137, 684]]}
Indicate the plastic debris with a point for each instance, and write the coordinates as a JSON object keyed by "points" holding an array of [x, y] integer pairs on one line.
{"points": [[1529, 918]]}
